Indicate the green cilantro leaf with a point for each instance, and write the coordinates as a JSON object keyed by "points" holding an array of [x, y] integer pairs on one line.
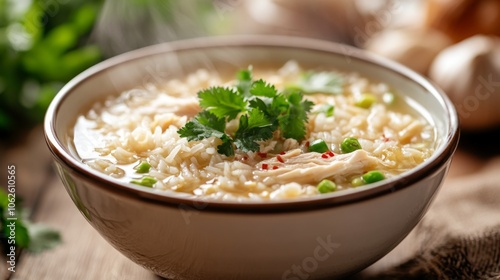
{"points": [[247, 139], [244, 78], [22, 236], [226, 148], [259, 104], [222, 102], [256, 118], [31, 236], [260, 88], [272, 108], [244, 75], [324, 82], [204, 125], [252, 128], [279, 105], [210, 120], [292, 124], [42, 238]]}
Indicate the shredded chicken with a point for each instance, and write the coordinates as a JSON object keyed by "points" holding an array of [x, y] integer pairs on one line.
{"points": [[306, 167], [412, 130]]}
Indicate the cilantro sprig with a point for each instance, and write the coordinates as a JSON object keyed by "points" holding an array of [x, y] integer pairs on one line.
{"points": [[260, 109]]}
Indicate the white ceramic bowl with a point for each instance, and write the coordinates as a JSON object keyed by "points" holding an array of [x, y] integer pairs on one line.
{"points": [[180, 238]]}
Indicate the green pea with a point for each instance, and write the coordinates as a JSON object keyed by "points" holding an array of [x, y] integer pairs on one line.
{"points": [[373, 176], [349, 145], [358, 181], [318, 146], [326, 186], [366, 101], [143, 167], [145, 181]]}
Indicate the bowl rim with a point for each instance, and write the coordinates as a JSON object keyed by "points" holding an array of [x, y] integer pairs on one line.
{"points": [[439, 158]]}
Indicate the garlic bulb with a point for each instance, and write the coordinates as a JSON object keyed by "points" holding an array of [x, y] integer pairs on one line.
{"points": [[469, 72], [415, 48], [461, 19]]}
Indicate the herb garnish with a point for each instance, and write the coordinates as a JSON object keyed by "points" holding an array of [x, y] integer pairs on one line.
{"points": [[324, 82], [34, 237], [261, 110]]}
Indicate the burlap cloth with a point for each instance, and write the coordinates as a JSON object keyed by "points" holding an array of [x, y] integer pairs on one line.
{"points": [[459, 237]]}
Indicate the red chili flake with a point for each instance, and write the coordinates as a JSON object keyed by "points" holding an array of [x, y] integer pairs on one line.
{"points": [[307, 144], [280, 159], [330, 153], [275, 167], [265, 166], [262, 155], [245, 158], [324, 155], [385, 139], [282, 153]]}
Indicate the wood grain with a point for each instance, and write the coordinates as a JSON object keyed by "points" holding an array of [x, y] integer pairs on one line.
{"points": [[31, 158]]}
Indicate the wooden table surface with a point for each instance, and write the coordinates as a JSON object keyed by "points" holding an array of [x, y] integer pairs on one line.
{"points": [[84, 254]]}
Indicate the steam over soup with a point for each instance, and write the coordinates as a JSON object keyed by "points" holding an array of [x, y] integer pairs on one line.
{"points": [[264, 134]]}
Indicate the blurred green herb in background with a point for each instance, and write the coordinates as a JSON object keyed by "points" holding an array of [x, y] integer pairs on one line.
{"points": [[43, 44], [27, 235]]}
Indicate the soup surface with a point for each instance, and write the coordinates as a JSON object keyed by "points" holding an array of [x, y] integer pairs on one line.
{"points": [[345, 132]]}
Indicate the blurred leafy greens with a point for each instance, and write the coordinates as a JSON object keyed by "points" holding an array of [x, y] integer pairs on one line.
{"points": [[43, 44], [27, 235]]}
